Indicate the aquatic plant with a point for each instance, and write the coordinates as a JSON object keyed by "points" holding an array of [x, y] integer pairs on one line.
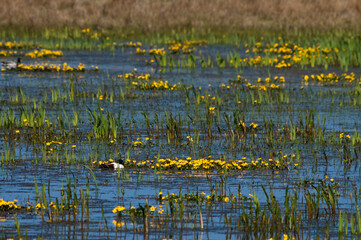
{"points": [[207, 164], [50, 68], [44, 53], [8, 206]]}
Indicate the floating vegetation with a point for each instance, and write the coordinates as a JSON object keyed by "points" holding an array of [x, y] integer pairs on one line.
{"points": [[154, 51], [50, 68], [209, 164], [6, 53], [8, 206], [144, 82], [135, 75], [156, 85], [102, 162], [44, 53], [33, 54], [277, 82], [332, 78]]}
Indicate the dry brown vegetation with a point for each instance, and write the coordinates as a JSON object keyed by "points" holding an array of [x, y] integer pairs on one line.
{"points": [[160, 15]]}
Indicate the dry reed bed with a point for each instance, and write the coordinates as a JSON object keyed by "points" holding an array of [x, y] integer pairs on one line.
{"points": [[163, 15]]}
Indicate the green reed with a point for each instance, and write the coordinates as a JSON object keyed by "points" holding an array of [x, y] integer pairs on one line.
{"points": [[104, 126]]}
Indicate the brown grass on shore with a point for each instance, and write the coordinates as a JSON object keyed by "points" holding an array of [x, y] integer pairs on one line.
{"points": [[163, 15]]}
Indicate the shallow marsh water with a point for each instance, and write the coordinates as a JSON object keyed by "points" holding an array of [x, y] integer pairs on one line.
{"points": [[137, 186]]}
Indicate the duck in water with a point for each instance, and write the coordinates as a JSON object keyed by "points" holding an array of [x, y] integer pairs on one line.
{"points": [[113, 165], [11, 64]]}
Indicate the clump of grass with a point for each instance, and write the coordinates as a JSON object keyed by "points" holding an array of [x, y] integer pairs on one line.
{"points": [[104, 126]]}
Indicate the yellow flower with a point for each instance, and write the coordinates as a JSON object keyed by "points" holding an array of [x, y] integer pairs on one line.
{"points": [[118, 224], [226, 199], [118, 209]]}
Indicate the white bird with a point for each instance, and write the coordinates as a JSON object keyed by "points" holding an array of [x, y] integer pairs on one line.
{"points": [[113, 165], [11, 64]]}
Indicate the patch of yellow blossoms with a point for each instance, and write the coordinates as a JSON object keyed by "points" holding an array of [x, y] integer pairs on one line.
{"points": [[208, 164], [51, 68], [7, 206], [44, 53]]}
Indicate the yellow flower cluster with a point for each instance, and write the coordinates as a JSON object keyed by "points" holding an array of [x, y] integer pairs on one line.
{"points": [[264, 87], [258, 60], [7, 206], [283, 64], [102, 162], [143, 81], [135, 75], [51, 67], [137, 143], [85, 30], [342, 135], [211, 110], [53, 142], [135, 211], [332, 78], [94, 34], [285, 237], [189, 42], [54, 206], [153, 51], [195, 42], [269, 83], [207, 164], [5, 53], [196, 197], [33, 54], [130, 44], [40, 205], [118, 224], [180, 48], [44, 53], [16, 45], [118, 209], [287, 54], [52, 148], [156, 85], [276, 79], [141, 51], [253, 125]]}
